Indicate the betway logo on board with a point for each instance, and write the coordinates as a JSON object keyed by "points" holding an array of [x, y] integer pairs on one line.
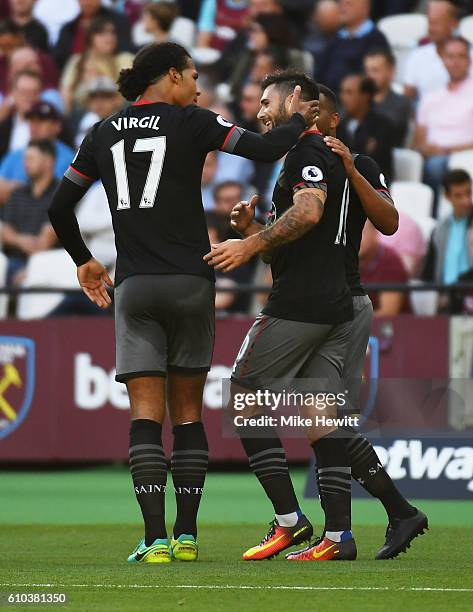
{"points": [[420, 460], [95, 387]]}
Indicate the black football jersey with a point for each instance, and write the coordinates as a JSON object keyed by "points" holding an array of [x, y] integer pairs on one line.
{"points": [[149, 157], [356, 219], [309, 274]]}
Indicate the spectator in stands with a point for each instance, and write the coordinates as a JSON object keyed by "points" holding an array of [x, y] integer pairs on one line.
{"points": [[14, 126], [344, 55], [29, 59], [266, 62], [240, 43], [450, 251], [160, 22], [219, 22], [445, 117], [270, 43], [425, 70], [409, 243], [72, 37], [103, 100], [26, 228], [21, 13], [362, 128], [45, 123], [249, 105], [100, 57], [12, 41], [380, 67], [380, 265], [157, 20], [325, 23], [226, 195]]}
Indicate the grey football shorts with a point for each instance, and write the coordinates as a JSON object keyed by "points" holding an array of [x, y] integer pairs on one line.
{"points": [[164, 322], [278, 351], [357, 345]]}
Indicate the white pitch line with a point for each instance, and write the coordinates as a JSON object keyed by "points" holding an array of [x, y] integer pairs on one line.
{"points": [[233, 587]]}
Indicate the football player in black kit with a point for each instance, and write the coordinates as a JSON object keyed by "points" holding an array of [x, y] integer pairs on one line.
{"points": [[302, 334], [369, 198], [149, 157]]}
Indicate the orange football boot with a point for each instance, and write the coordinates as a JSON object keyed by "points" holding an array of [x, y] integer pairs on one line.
{"points": [[324, 549], [279, 538]]}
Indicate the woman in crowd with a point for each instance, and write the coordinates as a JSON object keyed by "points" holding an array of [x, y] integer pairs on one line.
{"points": [[100, 58]]}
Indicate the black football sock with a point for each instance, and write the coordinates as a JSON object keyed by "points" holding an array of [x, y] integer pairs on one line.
{"points": [[334, 478], [189, 462], [149, 472], [368, 470], [268, 462]]}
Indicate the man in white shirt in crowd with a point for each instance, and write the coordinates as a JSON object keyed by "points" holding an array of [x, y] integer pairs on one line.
{"points": [[425, 70], [445, 117]]}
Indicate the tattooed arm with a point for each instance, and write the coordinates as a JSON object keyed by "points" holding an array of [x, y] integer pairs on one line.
{"points": [[306, 212]]}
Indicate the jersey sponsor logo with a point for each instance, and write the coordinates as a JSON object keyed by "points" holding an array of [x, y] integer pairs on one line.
{"points": [[312, 173], [223, 121], [382, 180], [17, 381], [133, 123]]}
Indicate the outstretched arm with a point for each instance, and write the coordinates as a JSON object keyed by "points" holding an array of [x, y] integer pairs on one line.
{"points": [[277, 142]]}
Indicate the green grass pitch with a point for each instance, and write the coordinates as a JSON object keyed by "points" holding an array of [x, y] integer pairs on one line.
{"points": [[73, 530]]}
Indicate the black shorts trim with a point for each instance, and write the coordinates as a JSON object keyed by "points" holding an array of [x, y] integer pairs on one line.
{"points": [[128, 375], [187, 371], [245, 385]]}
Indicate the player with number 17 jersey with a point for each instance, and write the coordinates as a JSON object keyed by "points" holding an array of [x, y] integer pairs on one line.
{"points": [[150, 158]]}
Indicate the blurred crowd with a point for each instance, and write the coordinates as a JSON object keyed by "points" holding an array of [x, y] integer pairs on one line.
{"points": [[402, 70]]}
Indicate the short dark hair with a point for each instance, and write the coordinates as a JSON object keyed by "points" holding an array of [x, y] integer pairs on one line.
{"points": [[149, 65], [383, 52], [288, 79], [330, 96], [457, 176], [43, 145], [223, 185]]}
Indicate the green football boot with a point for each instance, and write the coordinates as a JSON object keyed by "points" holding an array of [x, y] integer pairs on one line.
{"points": [[157, 552], [184, 548]]}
